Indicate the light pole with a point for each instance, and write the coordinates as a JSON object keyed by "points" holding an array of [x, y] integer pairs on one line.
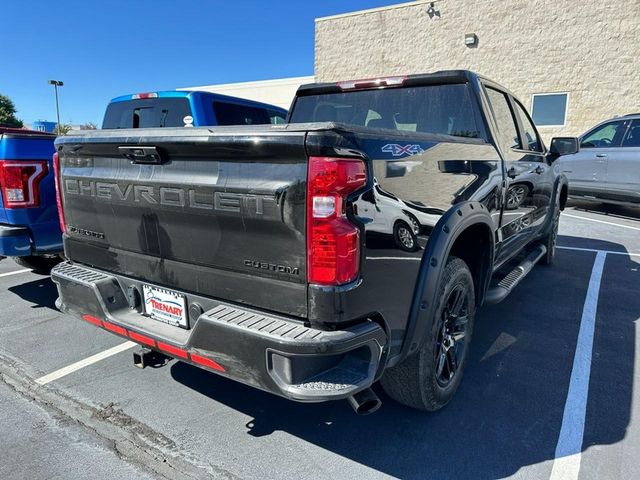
{"points": [[56, 84]]}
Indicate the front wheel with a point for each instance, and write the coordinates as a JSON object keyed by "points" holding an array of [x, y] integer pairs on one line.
{"points": [[428, 379]]}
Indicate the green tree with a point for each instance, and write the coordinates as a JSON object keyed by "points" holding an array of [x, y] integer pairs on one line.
{"points": [[62, 129], [8, 113]]}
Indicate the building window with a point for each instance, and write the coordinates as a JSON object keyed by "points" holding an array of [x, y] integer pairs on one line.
{"points": [[550, 109]]}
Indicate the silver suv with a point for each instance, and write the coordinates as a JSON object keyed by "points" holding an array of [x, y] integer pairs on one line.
{"points": [[607, 167]]}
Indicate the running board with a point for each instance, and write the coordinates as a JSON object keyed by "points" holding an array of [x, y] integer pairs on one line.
{"points": [[499, 292]]}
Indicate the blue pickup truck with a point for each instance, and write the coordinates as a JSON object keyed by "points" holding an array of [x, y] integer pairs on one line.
{"points": [[29, 225], [187, 109]]}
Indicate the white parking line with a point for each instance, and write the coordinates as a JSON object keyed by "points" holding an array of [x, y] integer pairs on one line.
{"points": [[566, 464], [600, 221], [594, 250], [15, 273], [63, 372], [612, 252]]}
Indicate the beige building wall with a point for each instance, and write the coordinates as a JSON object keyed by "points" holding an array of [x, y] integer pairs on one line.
{"points": [[278, 92], [588, 48]]}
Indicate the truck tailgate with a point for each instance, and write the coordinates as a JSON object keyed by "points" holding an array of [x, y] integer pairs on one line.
{"points": [[217, 213]]}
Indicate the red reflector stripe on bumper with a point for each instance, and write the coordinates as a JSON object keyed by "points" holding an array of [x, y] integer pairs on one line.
{"points": [[142, 339], [114, 328], [137, 337], [91, 319], [207, 362], [175, 351]]}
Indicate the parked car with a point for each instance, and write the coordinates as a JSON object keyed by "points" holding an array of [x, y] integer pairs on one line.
{"points": [[607, 167], [187, 109], [244, 250], [29, 227], [400, 220]]}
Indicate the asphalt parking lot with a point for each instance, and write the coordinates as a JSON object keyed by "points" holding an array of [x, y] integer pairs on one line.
{"points": [[550, 391]]}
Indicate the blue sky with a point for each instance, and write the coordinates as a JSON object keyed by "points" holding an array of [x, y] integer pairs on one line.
{"points": [[105, 49]]}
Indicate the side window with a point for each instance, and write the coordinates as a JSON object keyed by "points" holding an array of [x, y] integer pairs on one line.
{"points": [[277, 118], [633, 135], [507, 131], [604, 136], [531, 139]]}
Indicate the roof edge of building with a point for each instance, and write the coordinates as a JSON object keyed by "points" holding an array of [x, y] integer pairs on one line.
{"points": [[375, 10], [274, 81]]}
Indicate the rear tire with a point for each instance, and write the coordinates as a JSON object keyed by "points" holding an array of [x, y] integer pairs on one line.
{"points": [[37, 263], [429, 378]]}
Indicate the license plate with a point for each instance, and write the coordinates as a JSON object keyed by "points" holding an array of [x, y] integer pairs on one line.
{"points": [[165, 306]]}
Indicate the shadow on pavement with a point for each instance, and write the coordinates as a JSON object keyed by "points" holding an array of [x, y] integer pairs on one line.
{"points": [[41, 293], [508, 410], [606, 209]]}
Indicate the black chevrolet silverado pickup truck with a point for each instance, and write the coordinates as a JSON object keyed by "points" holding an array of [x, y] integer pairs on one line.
{"points": [[311, 259]]}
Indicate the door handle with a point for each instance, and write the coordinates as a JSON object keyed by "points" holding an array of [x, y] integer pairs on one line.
{"points": [[601, 155], [144, 154]]}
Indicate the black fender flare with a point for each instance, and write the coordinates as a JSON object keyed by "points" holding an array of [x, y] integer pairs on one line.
{"points": [[563, 182], [453, 223], [560, 182]]}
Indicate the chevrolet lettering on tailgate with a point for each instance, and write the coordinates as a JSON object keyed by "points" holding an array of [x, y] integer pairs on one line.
{"points": [[198, 198]]}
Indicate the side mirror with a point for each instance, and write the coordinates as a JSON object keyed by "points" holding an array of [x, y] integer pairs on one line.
{"points": [[564, 146]]}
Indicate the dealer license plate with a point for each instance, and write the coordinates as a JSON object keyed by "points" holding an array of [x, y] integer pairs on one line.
{"points": [[165, 306]]}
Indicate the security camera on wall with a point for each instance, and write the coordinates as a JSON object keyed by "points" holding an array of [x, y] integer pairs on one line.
{"points": [[432, 12]]}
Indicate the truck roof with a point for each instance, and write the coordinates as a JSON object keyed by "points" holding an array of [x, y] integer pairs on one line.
{"points": [[439, 77], [24, 132], [189, 93]]}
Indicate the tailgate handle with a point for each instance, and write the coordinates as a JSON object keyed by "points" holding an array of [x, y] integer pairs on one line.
{"points": [[143, 154]]}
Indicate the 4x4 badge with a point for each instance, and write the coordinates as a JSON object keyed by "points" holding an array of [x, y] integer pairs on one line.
{"points": [[399, 150]]}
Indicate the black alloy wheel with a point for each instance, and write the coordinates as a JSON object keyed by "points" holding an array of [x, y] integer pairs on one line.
{"points": [[450, 343]]}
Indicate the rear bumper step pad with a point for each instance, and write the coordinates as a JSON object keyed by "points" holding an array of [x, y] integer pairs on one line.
{"points": [[270, 352]]}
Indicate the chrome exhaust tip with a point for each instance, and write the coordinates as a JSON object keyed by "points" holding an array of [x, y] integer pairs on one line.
{"points": [[365, 402]]}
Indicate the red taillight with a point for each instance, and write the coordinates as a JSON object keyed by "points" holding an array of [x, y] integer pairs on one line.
{"points": [[372, 83], [57, 173], [333, 243], [20, 181], [137, 96]]}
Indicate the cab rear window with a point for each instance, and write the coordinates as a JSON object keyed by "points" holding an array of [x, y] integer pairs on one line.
{"points": [[237, 114], [147, 113], [442, 109]]}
